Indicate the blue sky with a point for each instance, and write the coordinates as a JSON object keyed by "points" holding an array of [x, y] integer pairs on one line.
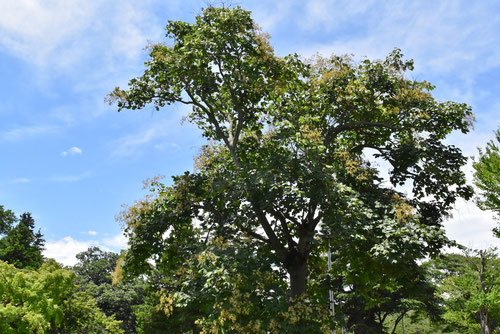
{"points": [[73, 161]]}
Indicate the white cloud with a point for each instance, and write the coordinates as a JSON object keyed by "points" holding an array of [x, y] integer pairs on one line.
{"points": [[72, 151], [92, 233], [116, 243], [269, 15], [132, 37], [35, 30], [471, 226], [65, 250]]}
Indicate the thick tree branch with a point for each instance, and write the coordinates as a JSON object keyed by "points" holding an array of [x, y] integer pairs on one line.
{"points": [[311, 210], [290, 218], [274, 242], [333, 132], [255, 234], [284, 224], [306, 236], [211, 117], [237, 107], [396, 322]]}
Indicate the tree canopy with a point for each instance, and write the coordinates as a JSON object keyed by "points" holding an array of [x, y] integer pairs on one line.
{"points": [[288, 166]]}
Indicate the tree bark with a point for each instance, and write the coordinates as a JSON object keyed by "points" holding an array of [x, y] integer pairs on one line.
{"points": [[296, 266], [53, 328], [483, 313], [483, 319]]}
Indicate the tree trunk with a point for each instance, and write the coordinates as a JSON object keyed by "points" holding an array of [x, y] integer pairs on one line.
{"points": [[483, 319], [53, 327], [483, 313], [296, 265]]}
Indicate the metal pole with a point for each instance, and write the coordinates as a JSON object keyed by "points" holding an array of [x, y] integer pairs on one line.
{"points": [[330, 291]]}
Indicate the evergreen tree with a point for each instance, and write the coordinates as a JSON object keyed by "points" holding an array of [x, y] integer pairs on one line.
{"points": [[21, 245]]}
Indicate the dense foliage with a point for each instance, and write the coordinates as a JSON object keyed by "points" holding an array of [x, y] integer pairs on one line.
{"points": [[47, 301], [94, 275], [228, 286], [487, 178]]}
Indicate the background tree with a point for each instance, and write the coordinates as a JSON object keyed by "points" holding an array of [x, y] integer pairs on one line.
{"points": [[47, 301], [469, 286], [95, 266], [487, 178], [289, 147], [20, 245], [7, 220], [94, 276]]}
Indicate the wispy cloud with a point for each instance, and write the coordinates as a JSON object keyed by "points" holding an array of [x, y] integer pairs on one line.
{"points": [[130, 144], [21, 180], [57, 34], [271, 14], [159, 135], [70, 178], [442, 36], [92, 232], [23, 132], [72, 151], [333, 14], [34, 30], [167, 145]]}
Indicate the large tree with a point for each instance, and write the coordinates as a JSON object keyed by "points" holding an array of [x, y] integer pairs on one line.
{"points": [[287, 162]]}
